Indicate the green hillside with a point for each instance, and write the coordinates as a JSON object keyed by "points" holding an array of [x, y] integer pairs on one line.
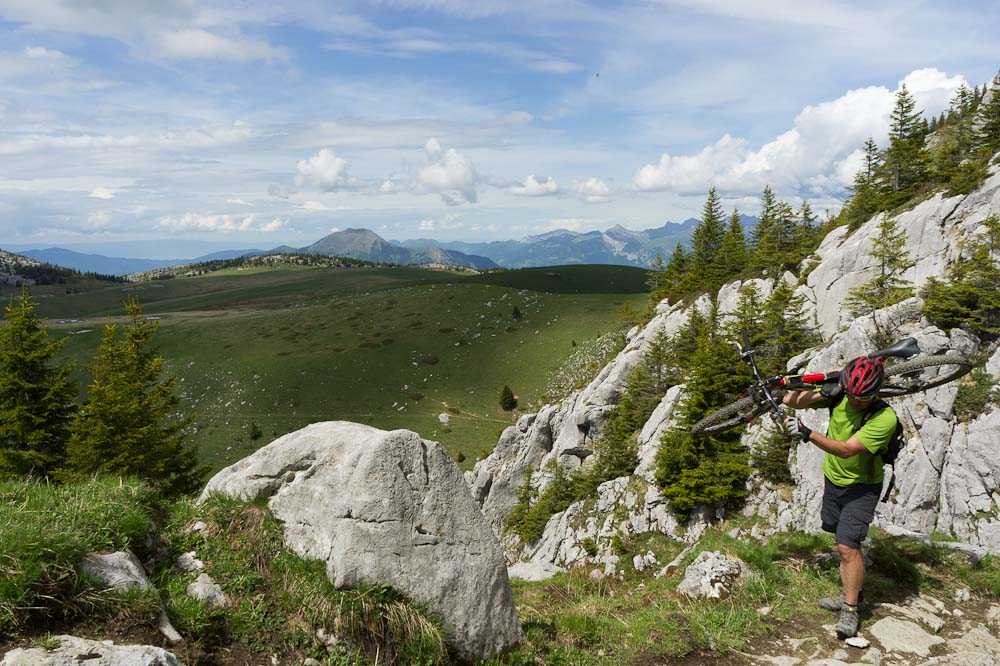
{"points": [[391, 347]]}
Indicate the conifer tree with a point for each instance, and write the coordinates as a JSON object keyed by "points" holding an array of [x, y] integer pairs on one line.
{"points": [[733, 251], [676, 277], [655, 276], [507, 399], [36, 397], [707, 241], [888, 285], [970, 298], [709, 471], [128, 425], [988, 118], [865, 198], [905, 164], [788, 329]]}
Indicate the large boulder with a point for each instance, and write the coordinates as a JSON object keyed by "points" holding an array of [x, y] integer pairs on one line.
{"points": [[386, 507]]}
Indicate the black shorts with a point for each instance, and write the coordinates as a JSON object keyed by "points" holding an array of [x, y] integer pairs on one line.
{"points": [[849, 510]]}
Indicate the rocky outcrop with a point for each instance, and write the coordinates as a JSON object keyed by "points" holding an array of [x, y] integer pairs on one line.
{"points": [[386, 507], [73, 651]]}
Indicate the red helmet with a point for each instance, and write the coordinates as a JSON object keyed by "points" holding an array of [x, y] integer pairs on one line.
{"points": [[862, 377]]}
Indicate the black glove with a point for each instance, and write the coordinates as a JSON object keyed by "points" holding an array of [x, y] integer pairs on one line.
{"points": [[797, 428]]}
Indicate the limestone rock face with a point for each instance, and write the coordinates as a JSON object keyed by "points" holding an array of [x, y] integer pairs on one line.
{"points": [[386, 507], [73, 651]]}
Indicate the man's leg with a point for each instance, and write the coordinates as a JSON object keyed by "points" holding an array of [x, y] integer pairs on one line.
{"points": [[852, 573]]}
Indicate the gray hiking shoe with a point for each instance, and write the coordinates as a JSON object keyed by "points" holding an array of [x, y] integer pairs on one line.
{"points": [[836, 603], [847, 623]]}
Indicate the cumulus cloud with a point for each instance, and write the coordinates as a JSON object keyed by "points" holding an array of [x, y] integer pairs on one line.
{"points": [[238, 202], [219, 223], [448, 173], [325, 171], [535, 187], [818, 156], [101, 193], [593, 190]]}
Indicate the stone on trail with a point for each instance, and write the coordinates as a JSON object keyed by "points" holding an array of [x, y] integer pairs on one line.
{"points": [[386, 507], [73, 651], [859, 642], [903, 636]]}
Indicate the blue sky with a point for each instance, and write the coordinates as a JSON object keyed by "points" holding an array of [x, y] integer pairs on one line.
{"points": [[256, 124]]}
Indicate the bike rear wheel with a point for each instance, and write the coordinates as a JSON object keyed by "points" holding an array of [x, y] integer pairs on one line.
{"points": [[735, 414], [923, 373]]}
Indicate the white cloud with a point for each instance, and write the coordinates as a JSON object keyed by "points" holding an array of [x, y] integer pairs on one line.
{"points": [[197, 43], [325, 171], [238, 202], [99, 219], [519, 117], [816, 157], [101, 193], [426, 225], [168, 140], [593, 190], [535, 187], [449, 173], [219, 223]]}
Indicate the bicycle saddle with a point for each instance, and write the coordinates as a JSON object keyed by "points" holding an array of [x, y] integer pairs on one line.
{"points": [[903, 349]]}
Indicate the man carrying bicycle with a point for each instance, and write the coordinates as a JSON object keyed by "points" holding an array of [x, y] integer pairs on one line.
{"points": [[852, 467]]}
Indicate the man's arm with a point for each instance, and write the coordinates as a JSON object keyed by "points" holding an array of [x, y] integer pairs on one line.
{"points": [[802, 399], [806, 399]]}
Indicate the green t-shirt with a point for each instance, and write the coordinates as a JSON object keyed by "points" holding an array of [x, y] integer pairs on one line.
{"points": [[864, 467]]}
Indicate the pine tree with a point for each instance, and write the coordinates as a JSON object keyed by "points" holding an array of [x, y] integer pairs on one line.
{"points": [[733, 251], [676, 278], [970, 298], [507, 399], [128, 425], [865, 197], [887, 286], [36, 398], [788, 330], [905, 164], [709, 471], [654, 278], [707, 241], [988, 119]]}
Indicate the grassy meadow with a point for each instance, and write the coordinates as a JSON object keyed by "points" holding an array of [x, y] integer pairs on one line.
{"points": [[391, 347]]}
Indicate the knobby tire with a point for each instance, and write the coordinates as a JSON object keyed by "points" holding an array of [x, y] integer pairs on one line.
{"points": [[735, 414], [920, 374]]}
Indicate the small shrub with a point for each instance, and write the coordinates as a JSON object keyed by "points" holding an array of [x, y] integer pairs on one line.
{"points": [[589, 546], [975, 395], [460, 458], [255, 431]]}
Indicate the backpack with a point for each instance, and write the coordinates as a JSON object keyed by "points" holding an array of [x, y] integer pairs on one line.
{"points": [[897, 442]]}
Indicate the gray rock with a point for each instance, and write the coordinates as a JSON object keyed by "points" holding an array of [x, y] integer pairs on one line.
{"points": [[533, 571], [859, 642], [904, 636], [73, 651], [206, 589], [386, 507], [120, 571], [188, 562], [712, 575]]}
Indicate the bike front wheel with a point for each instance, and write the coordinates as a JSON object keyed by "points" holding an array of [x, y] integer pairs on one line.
{"points": [[923, 373], [735, 414]]}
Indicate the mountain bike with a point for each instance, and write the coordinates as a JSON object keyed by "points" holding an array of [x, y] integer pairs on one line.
{"points": [[764, 395]]}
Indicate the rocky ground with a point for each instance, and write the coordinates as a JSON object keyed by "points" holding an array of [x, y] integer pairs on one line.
{"points": [[919, 630]]}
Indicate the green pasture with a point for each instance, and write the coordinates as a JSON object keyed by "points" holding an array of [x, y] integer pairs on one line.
{"points": [[390, 347]]}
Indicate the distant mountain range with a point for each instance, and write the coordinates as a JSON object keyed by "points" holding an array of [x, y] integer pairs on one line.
{"points": [[617, 245]]}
